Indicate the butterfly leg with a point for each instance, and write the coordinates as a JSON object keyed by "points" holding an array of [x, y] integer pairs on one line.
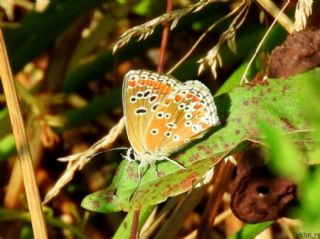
{"points": [[175, 162], [155, 166]]}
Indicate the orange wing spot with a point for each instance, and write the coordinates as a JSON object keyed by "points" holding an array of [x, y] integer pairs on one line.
{"points": [[163, 87], [149, 82], [204, 125], [195, 99], [189, 95], [166, 89], [167, 101], [178, 98], [132, 83], [157, 85], [143, 82], [198, 106]]}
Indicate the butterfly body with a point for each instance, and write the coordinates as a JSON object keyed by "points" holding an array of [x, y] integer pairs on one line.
{"points": [[163, 114]]}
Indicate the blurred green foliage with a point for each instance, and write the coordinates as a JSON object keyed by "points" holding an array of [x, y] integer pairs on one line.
{"points": [[294, 155]]}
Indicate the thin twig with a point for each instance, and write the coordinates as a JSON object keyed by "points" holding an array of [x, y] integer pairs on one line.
{"points": [[164, 40], [196, 44], [274, 11], [220, 181], [244, 76], [23, 149]]}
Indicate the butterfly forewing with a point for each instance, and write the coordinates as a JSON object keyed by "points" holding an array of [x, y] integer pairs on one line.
{"points": [[182, 116], [142, 92]]}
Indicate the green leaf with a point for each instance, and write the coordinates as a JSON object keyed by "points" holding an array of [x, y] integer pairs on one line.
{"points": [[285, 159], [7, 147], [250, 230], [309, 201], [275, 102], [38, 30]]}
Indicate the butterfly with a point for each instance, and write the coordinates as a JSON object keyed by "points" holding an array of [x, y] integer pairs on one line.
{"points": [[163, 115]]}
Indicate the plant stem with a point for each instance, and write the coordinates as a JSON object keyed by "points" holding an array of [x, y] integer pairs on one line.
{"points": [[164, 40]]}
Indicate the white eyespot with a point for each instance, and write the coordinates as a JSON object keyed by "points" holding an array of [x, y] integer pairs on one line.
{"points": [[167, 116], [140, 94], [154, 106], [146, 94], [188, 116], [133, 99], [188, 123], [152, 98], [195, 128], [176, 138], [154, 131], [187, 141], [141, 111], [160, 115], [181, 106], [168, 134], [171, 125]]}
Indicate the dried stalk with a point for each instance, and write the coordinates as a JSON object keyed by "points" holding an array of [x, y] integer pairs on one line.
{"points": [[24, 154]]}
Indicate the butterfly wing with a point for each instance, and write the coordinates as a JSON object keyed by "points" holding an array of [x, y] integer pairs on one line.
{"points": [[142, 93], [184, 115]]}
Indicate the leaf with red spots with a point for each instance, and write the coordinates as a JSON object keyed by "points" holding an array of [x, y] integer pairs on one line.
{"points": [[276, 101]]}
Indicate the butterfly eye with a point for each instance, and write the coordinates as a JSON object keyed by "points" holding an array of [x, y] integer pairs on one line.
{"points": [[131, 156]]}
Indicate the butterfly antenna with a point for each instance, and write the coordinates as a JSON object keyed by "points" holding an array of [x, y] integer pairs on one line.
{"points": [[108, 150]]}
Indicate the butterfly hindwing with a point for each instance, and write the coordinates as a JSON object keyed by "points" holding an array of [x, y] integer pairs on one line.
{"points": [[183, 115]]}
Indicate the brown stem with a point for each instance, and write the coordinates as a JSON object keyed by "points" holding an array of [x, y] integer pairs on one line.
{"points": [[164, 40], [220, 183], [135, 223]]}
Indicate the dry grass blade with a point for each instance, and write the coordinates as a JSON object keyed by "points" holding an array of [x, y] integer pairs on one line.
{"points": [[77, 161], [303, 11], [145, 30], [244, 79], [24, 154], [274, 11], [213, 59]]}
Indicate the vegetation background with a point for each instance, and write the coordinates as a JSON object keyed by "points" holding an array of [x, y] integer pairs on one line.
{"points": [[69, 81]]}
